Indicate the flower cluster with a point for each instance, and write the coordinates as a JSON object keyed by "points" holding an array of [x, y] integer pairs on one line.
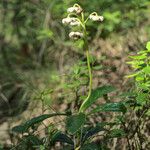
{"points": [[76, 10], [93, 16], [75, 13]]}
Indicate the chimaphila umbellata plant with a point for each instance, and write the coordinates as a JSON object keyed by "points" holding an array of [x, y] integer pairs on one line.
{"points": [[76, 18], [79, 132]]}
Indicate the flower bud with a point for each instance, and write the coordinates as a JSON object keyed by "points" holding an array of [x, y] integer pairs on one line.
{"points": [[75, 35], [75, 9], [95, 17]]}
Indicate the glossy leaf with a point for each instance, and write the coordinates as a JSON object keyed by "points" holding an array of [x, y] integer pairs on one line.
{"points": [[110, 107], [95, 95], [74, 123], [60, 137], [91, 132]]}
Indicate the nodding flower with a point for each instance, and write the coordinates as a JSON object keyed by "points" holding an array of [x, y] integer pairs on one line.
{"points": [[75, 35], [93, 16], [66, 20], [75, 9], [71, 21], [75, 22]]}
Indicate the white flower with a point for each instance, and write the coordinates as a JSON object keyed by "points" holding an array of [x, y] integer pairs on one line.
{"points": [[66, 20], [71, 21], [75, 9], [95, 17], [75, 35], [71, 10], [75, 22]]}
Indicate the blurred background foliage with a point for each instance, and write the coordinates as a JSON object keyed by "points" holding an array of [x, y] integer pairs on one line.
{"points": [[35, 51]]}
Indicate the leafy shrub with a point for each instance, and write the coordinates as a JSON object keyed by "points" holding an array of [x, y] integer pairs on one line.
{"points": [[141, 64]]}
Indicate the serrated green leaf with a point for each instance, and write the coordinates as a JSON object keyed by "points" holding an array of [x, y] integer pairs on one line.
{"points": [[110, 107], [95, 95], [60, 137], [74, 123]]}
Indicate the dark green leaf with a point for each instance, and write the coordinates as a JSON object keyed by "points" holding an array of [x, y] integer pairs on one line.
{"points": [[30, 123], [74, 123], [115, 133], [60, 137], [114, 107], [90, 146], [18, 129], [94, 146], [92, 131], [97, 93], [33, 139], [29, 142]]}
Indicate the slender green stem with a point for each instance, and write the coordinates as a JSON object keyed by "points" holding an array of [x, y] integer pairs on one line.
{"points": [[88, 65], [90, 72], [90, 80]]}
